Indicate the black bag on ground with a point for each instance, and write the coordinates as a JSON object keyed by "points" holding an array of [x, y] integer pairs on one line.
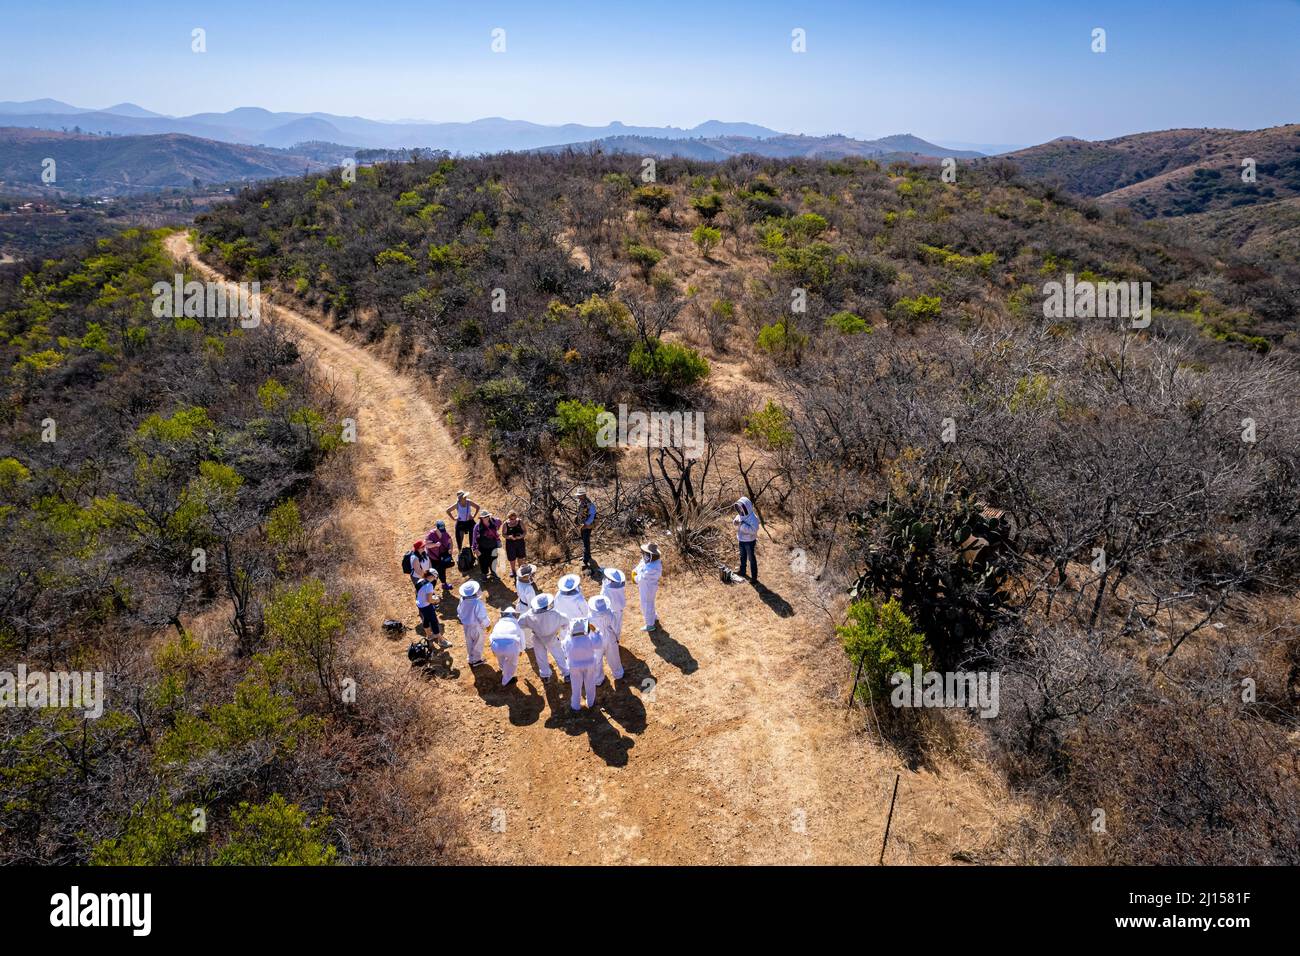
{"points": [[464, 560], [418, 652]]}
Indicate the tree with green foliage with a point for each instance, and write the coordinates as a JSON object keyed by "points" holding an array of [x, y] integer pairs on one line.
{"points": [[706, 238], [880, 639]]}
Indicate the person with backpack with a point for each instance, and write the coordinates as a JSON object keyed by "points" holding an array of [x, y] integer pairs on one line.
{"points": [[438, 544], [474, 619], [415, 562], [426, 602], [463, 512], [485, 541], [746, 522], [585, 521], [516, 546]]}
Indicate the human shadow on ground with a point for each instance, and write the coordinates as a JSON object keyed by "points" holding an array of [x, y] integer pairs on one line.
{"points": [[779, 605], [674, 652], [521, 699]]}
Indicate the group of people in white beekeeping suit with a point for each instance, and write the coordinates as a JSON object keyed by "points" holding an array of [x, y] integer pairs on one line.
{"points": [[578, 634]]}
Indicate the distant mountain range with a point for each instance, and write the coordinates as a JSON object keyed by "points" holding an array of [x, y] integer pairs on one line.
{"points": [[1174, 172], [253, 126], [124, 165], [905, 147]]}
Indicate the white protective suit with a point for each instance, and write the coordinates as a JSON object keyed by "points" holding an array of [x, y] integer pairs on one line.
{"points": [[547, 628], [571, 603], [647, 574], [524, 594], [507, 640], [583, 650], [617, 594], [474, 619], [602, 616]]}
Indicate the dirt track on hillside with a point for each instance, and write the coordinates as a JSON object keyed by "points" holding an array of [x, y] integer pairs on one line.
{"points": [[726, 742]]}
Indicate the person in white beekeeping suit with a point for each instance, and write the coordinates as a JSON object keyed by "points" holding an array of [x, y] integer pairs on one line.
{"points": [[646, 574], [524, 594], [547, 627], [611, 586], [474, 619], [569, 600], [583, 649], [506, 641], [602, 619]]}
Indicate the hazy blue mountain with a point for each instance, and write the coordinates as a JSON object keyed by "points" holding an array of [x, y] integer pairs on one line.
{"points": [[888, 148], [256, 126]]}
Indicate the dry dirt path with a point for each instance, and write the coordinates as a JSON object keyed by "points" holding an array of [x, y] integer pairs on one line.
{"points": [[724, 744]]}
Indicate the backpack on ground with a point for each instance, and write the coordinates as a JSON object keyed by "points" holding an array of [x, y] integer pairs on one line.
{"points": [[464, 560], [419, 652]]}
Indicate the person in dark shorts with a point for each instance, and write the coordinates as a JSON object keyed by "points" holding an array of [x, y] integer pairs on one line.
{"points": [[516, 546], [463, 512], [426, 602]]}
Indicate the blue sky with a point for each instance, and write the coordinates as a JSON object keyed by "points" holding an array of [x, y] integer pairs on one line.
{"points": [[987, 72]]}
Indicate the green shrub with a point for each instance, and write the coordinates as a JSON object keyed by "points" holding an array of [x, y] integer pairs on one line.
{"points": [[922, 308], [576, 423], [848, 323], [653, 197], [708, 206], [673, 366], [706, 238], [782, 340], [882, 639], [770, 426]]}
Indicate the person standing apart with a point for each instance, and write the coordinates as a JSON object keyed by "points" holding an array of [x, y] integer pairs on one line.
{"points": [[646, 574], [507, 640], [516, 546], [746, 522], [602, 618], [474, 619], [583, 649], [485, 542], [586, 520], [463, 512], [612, 587]]}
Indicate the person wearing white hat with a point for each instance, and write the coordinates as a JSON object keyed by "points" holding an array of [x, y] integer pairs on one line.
{"points": [[611, 587], [474, 619], [602, 618], [507, 640], [569, 600], [582, 647], [524, 594], [646, 574], [547, 627]]}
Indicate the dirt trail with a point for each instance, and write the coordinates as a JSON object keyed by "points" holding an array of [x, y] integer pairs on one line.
{"points": [[725, 743]]}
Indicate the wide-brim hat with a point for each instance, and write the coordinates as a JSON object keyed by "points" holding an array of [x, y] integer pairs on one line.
{"points": [[570, 583], [527, 571], [580, 493], [541, 602], [509, 611], [599, 603], [615, 576], [469, 589], [651, 549], [579, 626]]}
